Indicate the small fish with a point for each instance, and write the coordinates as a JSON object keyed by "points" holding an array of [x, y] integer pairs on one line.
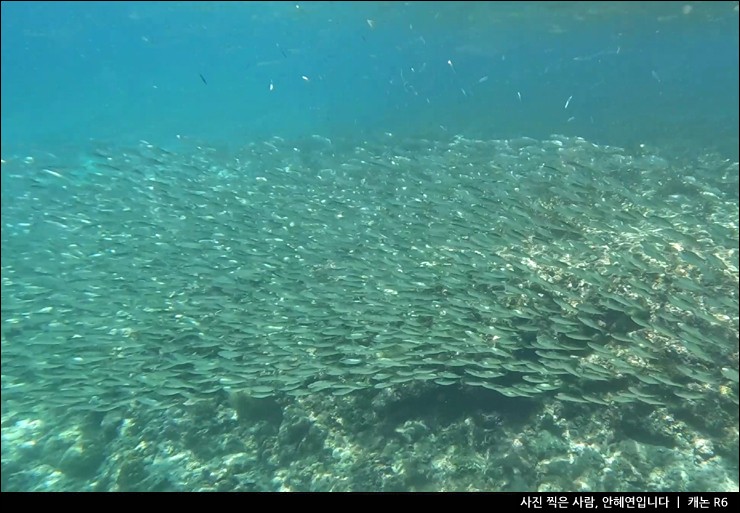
{"points": [[53, 173], [568, 101], [203, 79], [519, 95], [449, 63]]}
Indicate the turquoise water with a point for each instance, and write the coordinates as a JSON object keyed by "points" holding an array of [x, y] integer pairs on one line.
{"points": [[370, 246], [638, 74]]}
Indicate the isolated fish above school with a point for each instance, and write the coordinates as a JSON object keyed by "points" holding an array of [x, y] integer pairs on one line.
{"points": [[531, 268]]}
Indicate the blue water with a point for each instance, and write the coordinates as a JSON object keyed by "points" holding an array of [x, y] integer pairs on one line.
{"points": [[662, 74]]}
